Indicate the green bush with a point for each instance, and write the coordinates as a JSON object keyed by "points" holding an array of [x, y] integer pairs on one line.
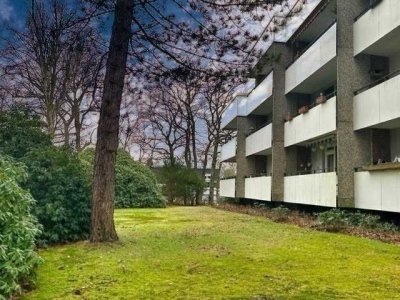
{"points": [[18, 229], [136, 185], [21, 131], [59, 184], [280, 213], [181, 184], [337, 219]]}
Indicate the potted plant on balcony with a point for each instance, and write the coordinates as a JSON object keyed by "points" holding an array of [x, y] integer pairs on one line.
{"points": [[321, 99], [303, 109]]}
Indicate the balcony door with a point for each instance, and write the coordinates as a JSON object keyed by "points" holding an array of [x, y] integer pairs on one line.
{"points": [[330, 159]]}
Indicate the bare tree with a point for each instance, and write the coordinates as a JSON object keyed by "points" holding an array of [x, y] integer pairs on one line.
{"points": [[34, 60], [217, 94], [166, 134], [83, 67], [54, 66]]}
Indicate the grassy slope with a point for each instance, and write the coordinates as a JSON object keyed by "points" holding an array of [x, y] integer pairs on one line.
{"points": [[203, 253]]}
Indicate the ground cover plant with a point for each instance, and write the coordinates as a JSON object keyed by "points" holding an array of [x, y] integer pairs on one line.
{"points": [[205, 253]]}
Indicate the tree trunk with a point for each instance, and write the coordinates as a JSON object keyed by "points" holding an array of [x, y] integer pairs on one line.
{"points": [[213, 176], [77, 124], [103, 229]]}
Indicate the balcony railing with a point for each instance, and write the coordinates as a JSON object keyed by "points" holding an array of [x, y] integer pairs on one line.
{"points": [[377, 82], [308, 172], [236, 108], [377, 103], [300, 53], [313, 189], [227, 188], [375, 23], [228, 151], [377, 190], [317, 122], [370, 5], [259, 141], [313, 59], [259, 94], [258, 188]]}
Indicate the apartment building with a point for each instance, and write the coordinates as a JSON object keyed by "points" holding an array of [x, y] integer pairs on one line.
{"points": [[322, 125]]}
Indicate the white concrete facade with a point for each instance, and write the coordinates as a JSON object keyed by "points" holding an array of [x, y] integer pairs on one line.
{"points": [[317, 122], [378, 104], [227, 188], [228, 151], [258, 188], [355, 130], [318, 55], [378, 190], [259, 141], [375, 24], [313, 189]]}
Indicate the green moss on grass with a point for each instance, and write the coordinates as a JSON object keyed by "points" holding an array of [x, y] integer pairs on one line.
{"points": [[203, 253]]}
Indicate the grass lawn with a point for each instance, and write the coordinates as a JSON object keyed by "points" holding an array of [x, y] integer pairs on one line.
{"points": [[204, 253]]}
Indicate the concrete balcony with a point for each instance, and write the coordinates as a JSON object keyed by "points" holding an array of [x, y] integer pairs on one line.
{"points": [[260, 142], [377, 190], [227, 188], [228, 151], [377, 31], [237, 108], [315, 67], [258, 188], [260, 94], [313, 189], [378, 106], [317, 122]]}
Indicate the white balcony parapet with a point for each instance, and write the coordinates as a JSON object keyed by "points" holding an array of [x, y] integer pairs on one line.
{"points": [[378, 104], [258, 188], [377, 190], [375, 24], [313, 189], [237, 108], [259, 94], [318, 55], [318, 121], [259, 141], [228, 151], [227, 188]]}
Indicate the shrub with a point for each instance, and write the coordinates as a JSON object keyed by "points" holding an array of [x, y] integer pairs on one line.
{"points": [[332, 220], [18, 229], [181, 183], [136, 185], [336, 220], [21, 131], [280, 213], [58, 183]]}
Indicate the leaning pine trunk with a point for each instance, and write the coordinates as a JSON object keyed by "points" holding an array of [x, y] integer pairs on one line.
{"points": [[103, 229]]}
